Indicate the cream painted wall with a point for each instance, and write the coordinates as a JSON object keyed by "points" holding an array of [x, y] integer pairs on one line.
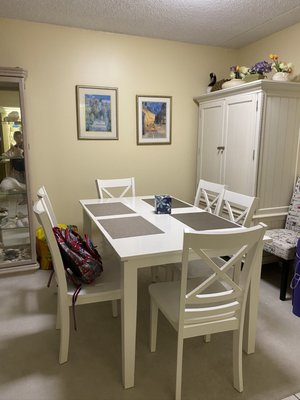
{"points": [[59, 58], [283, 43]]}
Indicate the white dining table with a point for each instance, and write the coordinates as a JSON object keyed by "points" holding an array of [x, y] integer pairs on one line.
{"points": [[141, 238]]}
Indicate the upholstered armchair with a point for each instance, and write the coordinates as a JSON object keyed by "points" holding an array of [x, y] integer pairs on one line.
{"points": [[284, 241]]}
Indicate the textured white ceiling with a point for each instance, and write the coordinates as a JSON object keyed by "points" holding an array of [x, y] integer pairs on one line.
{"points": [[224, 23]]}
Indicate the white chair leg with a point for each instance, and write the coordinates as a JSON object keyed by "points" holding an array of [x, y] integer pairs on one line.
{"points": [[179, 368], [114, 304], [64, 334], [207, 338], [176, 274], [154, 274], [153, 325], [238, 360], [57, 326], [169, 273]]}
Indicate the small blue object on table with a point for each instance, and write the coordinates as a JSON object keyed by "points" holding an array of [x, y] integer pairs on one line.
{"points": [[162, 204]]}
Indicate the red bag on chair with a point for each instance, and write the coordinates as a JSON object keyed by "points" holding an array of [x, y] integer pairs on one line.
{"points": [[82, 262], [79, 255]]}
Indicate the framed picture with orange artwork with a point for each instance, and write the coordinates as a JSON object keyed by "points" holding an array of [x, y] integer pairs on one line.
{"points": [[153, 119]]}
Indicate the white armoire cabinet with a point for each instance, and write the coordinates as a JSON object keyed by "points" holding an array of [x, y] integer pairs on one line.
{"points": [[248, 139]]}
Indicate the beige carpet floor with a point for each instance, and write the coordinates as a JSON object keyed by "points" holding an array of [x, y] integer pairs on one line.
{"points": [[29, 343], [295, 396]]}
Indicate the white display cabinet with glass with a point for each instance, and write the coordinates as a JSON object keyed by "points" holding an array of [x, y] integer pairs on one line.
{"points": [[17, 241]]}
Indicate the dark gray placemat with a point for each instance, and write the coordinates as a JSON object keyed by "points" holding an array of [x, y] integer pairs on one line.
{"points": [[204, 221], [129, 227], [175, 203], [101, 210]]}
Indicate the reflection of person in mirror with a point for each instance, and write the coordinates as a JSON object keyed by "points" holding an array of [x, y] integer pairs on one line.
{"points": [[16, 156]]}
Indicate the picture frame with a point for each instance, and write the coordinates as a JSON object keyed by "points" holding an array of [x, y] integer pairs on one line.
{"points": [[97, 108], [154, 119]]}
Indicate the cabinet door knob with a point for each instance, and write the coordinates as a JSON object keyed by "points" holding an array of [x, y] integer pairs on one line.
{"points": [[221, 148]]}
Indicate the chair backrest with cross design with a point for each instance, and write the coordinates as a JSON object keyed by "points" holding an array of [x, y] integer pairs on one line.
{"points": [[209, 195], [238, 208], [115, 187]]}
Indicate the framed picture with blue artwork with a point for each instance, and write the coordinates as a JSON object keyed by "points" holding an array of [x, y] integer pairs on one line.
{"points": [[97, 112], [154, 119]]}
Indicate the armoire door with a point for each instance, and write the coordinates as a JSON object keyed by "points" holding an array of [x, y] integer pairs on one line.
{"points": [[211, 125], [240, 154]]}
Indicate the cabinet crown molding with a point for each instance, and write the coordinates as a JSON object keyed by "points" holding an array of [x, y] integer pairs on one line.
{"points": [[265, 85], [13, 72]]}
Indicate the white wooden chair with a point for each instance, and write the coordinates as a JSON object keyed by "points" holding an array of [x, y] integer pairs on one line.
{"points": [[209, 196], [42, 194], [238, 207], [128, 186], [117, 187], [105, 288], [110, 188], [216, 303]]}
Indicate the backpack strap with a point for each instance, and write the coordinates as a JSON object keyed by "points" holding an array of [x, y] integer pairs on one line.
{"points": [[74, 298], [50, 278]]}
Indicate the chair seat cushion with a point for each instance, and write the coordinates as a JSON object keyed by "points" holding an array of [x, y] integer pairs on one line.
{"points": [[283, 243]]}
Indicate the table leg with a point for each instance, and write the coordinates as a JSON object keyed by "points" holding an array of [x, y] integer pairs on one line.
{"points": [[129, 317], [87, 224], [250, 325]]}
